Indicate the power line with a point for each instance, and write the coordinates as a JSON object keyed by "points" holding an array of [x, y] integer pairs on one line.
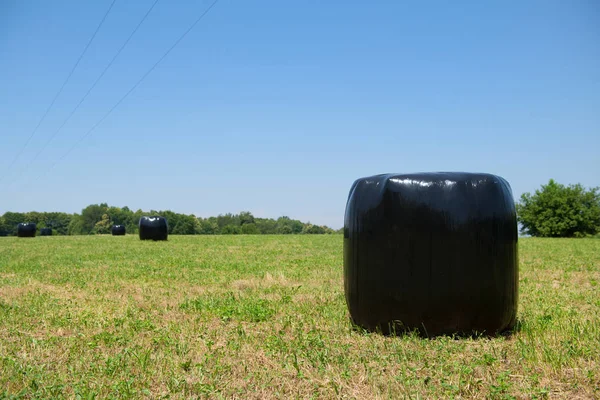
{"points": [[185, 33], [60, 90], [74, 110]]}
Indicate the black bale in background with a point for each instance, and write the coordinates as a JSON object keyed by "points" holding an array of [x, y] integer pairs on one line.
{"points": [[153, 228], [433, 252], [26, 229], [46, 232], [118, 230]]}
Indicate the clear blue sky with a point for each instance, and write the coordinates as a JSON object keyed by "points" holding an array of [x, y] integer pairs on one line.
{"points": [[276, 107]]}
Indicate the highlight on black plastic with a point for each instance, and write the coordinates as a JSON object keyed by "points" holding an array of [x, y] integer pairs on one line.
{"points": [[26, 229], [46, 232], [118, 230], [153, 228], [431, 252]]}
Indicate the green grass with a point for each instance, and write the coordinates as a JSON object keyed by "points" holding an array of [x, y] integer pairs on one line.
{"points": [[265, 317]]}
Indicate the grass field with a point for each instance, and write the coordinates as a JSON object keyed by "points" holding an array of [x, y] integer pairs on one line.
{"points": [[265, 317]]}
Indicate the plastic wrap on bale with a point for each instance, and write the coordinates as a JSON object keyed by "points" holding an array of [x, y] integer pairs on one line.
{"points": [[26, 229], [118, 230], [431, 252], [153, 228], [46, 232]]}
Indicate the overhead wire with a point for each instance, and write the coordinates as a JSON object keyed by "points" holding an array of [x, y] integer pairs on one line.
{"points": [[74, 110], [144, 76], [19, 153]]}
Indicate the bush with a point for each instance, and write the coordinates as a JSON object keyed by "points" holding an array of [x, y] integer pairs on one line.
{"points": [[556, 210]]}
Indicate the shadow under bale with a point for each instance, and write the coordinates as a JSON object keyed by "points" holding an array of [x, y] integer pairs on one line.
{"points": [[431, 252], [118, 230], [26, 229], [153, 228]]}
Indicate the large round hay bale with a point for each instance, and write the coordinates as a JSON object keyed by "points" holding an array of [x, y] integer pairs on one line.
{"points": [[153, 228], [46, 232], [26, 229], [433, 252], [118, 230]]}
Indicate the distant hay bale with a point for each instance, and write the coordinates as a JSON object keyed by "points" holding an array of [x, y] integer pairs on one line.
{"points": [[153, 228], [118, 230], [46, 232], [433, 252], [26, 229]]}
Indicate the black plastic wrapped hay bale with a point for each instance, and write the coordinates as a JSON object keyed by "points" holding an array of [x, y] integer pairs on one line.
{"points": [[118, 230], [26, 229], [153, 228], [433, 252], [46, 232]]}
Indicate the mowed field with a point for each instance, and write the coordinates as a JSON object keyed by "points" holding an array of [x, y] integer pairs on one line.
{"points": [[265, 317]]}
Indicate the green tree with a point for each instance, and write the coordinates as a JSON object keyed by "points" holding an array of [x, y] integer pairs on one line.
{"points": [[286, 225], [311, 229], [250, 229], [91, 215], [120, 216], [4, 229], [207, 226], [228, 219], [76, 226], [102, 227], [266, 226], [58, 221], [231, 230], [11, 220], [185, 225], [35, 217], [246, 217], [556, 210]]}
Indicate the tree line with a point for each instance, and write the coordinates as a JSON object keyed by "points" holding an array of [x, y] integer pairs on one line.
{"points": [[554, 210], [99, 218]]}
